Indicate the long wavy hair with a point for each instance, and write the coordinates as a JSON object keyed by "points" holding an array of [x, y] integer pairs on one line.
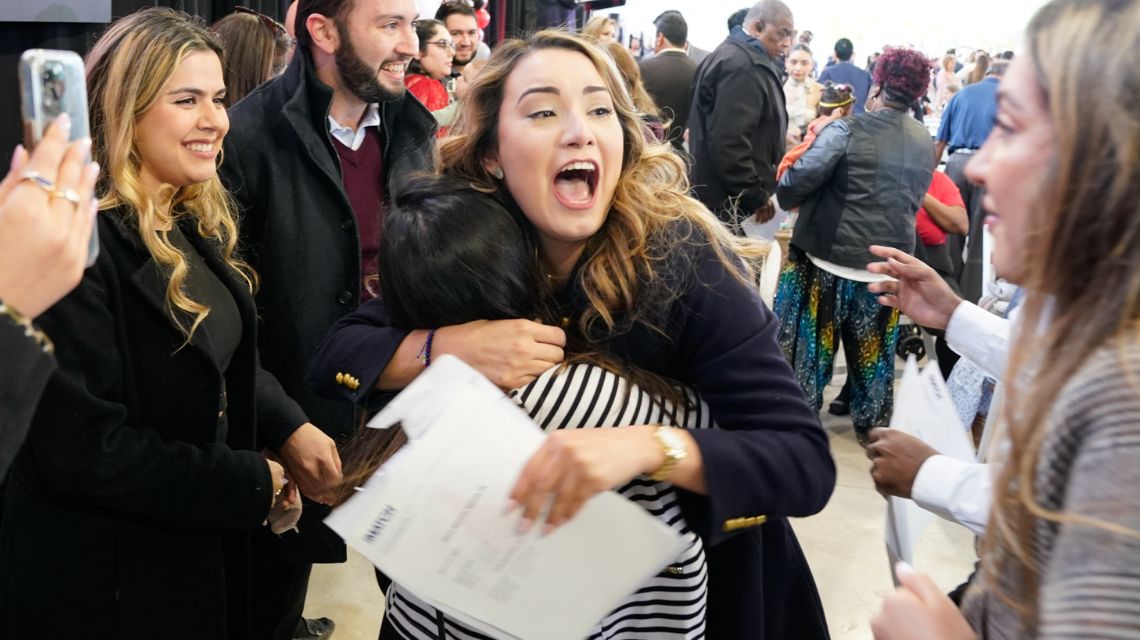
{"points": [[650, 216], [1085, 230], [126, 71]]}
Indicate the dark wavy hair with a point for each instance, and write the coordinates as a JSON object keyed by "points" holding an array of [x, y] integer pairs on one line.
{"points": [[452, 254], [902, 74]]}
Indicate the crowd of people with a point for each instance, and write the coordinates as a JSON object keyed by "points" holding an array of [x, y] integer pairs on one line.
{"points": [[296, 218]]}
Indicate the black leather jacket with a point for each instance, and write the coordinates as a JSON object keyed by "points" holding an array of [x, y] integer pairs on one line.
{"points": [[860, 183]]}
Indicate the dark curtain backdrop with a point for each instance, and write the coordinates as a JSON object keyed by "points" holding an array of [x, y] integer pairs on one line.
{"points": [[15, 37]]}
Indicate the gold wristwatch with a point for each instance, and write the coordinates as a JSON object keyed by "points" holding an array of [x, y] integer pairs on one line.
{"points": [[674, 448]]}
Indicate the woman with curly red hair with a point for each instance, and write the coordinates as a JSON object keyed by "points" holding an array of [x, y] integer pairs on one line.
{"points": [[860, 183]]}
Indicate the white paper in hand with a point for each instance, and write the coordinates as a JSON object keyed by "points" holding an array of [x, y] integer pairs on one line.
{"points": [[923, 409], [433, 518]]}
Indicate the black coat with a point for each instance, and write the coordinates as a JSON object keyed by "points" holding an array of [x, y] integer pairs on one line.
{"points": [[300, 234], [667, 77], [737, 125], [126, 512], [298, 228], [23, 374]]}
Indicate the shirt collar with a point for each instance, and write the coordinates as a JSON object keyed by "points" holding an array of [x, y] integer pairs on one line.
{"points": [[371, 119], [674, 50], [353, 137]]}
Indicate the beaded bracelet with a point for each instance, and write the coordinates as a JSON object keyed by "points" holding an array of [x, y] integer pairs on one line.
{"points": [[30, 330], [424, 356]]}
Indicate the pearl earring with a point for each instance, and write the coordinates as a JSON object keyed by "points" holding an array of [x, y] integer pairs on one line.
{"points": [[497, 172]]}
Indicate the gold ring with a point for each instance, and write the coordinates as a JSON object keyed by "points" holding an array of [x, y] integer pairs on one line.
{"points": [[71, 195], [36, 178], [278, 492]]}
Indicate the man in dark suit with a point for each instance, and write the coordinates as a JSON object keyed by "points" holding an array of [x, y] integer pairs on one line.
{"points": [[738, 119], [668, 74], [313, 158]]}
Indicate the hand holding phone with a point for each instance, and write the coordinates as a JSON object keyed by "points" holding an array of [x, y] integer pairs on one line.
{"points": [[44, 239], [53, 83]]}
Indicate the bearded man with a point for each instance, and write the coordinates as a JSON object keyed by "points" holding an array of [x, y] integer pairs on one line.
{"points": [[312, 159]]}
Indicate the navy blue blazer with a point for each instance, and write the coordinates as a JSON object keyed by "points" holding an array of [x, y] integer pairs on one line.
{"points": [[768, 460]]}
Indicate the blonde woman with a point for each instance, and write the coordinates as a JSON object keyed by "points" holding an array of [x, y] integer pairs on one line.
{"points": [[1061, 556], [128, 505], [639, 271], [601, 29]]}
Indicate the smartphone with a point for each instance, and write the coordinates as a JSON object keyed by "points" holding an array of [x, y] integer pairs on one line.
{"points": [[53, 83]]}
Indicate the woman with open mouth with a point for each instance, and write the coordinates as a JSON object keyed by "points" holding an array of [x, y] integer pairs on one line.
{"points": [[637, 270]]}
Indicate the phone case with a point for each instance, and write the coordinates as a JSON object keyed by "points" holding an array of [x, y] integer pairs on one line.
{"points": [[52, 83]]}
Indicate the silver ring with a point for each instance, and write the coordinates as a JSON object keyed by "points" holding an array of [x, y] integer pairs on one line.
{"points": [[36, 178], [69, 194]]}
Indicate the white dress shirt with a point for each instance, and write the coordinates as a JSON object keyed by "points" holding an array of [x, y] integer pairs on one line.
{"points": [[353, 138], [954, 489]]}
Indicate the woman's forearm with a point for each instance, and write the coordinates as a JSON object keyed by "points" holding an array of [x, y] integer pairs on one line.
{"points": [[404, 365]]}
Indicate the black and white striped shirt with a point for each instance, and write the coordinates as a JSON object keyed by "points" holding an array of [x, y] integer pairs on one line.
{"points": [[585, 396]]}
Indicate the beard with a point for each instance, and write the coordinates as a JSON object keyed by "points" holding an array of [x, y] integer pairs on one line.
{"points": [[360, 79], [457, 62]]}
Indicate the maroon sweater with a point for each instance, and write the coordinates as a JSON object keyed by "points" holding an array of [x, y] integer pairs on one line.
{"points": [[363, 174]]}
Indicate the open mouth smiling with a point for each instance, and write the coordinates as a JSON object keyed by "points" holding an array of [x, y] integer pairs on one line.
{"points": [[576, 184]]}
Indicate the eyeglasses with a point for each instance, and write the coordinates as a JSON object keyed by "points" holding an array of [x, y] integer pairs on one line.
{"points": [[446, 44], [274, 26]]}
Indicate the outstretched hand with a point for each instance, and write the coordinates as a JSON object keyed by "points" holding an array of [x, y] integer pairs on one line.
{"points": [[917, 290]]}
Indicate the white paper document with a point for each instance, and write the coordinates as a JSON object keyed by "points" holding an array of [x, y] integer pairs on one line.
{"points": [[923, 409], [434, 518]]}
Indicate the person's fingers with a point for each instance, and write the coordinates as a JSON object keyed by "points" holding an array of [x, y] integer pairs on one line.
{"points": [[909, 269], [917, 583], [566, 501], [71, 171], [543, 357], [15, 170], [882, 268], [547, 334], [890, 252], [889, 301], [49, 151], [543, 481], [80, 176], [886, 286], [522, 494], [79, 234]]}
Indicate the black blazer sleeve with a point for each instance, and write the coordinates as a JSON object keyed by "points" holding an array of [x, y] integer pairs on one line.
{"points": [[359, 345], [84, 444], [23, 375], [770, 456]]}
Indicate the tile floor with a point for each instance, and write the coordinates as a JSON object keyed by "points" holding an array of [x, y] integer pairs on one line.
{"points": [[844, 544]]}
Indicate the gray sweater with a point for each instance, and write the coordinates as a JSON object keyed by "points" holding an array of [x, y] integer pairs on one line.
{"points": [[1089, 465]]}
